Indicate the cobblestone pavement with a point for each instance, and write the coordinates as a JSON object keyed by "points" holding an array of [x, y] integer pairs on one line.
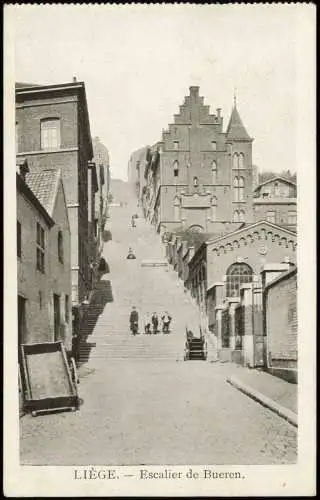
{"points": [[145, 412]]}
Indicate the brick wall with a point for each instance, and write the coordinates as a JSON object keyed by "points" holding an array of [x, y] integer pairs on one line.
{"points": [[281, 321], [72, 158], [37, 288]]}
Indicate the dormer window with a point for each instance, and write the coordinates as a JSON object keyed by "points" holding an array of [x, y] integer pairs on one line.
{"points": [[213, 145], [175, 145]]}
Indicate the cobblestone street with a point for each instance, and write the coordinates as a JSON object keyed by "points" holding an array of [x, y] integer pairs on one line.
{"points": [[159, 413]]}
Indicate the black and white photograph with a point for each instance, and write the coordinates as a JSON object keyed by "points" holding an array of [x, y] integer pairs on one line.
{"points": [[159, 249]]}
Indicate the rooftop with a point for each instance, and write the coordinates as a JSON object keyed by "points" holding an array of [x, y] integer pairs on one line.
{"points": [[44, 185]]}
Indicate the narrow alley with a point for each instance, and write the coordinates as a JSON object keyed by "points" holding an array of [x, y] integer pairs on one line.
{"points": [[141, 403]]}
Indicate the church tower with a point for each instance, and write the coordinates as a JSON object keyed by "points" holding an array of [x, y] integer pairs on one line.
{"points": [[239, 147], [205, 174]]}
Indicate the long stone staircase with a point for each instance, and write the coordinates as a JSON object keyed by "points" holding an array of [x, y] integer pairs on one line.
{"points": [[146, 282]]}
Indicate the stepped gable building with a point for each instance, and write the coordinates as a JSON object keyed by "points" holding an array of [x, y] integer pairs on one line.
{"points": [[275, 200], [53, 131], [203, 174], [43, 257]]}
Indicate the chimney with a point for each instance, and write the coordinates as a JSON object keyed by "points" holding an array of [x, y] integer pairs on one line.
{"points": [[194, 91], [219, 112], [74, 79], [23, 167]]}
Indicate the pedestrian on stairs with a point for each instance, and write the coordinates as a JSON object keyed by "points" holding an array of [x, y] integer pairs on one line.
{"points": [[155, 322], [166, 320], [134, 320], [147, 324]]}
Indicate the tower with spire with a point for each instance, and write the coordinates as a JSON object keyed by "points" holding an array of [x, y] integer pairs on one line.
{"points": [[204, 174]]}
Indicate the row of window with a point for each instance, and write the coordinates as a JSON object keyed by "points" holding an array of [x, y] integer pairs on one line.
{"points": [[40, 246], [213, 145], [50, 134], [271, 216]]}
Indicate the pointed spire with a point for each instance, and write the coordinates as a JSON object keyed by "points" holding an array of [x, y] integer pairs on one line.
{"points": [[236, 130]]}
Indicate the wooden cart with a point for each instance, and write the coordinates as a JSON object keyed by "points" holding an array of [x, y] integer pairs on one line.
{"points": [[47, 378]]}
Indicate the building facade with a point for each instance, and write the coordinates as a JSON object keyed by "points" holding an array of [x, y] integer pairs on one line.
{"points": [[43, 258], [53, 131], [202, 175], [276, 201], [102, 160]]}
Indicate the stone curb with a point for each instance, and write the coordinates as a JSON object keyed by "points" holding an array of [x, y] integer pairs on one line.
{"points": [[283, 412]]}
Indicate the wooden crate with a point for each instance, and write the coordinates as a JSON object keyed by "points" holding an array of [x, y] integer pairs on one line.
{"points": [[47, 378]]}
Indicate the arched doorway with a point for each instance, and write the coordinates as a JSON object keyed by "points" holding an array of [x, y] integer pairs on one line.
{"points": [[237, 275], [196, 228]]}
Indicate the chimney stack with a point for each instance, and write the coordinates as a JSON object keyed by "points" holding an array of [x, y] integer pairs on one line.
{"points": [[23, 167], [74, 79], [194, 91]]}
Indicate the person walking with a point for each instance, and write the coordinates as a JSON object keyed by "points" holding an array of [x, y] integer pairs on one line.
{"points": [[133, 221], [155, 322], [134, 320]]}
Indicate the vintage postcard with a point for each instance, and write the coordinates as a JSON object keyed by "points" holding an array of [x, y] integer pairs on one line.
{"points": [[159, 333]]}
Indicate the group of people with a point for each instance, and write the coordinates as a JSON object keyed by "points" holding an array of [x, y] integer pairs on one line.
{"points": [[151, 322]]}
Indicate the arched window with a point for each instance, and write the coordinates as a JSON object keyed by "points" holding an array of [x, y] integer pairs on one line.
{"points": [[60, 246], [175, 168], [241, 216], [241, 160], [176, 205], [214, 208], [214, 172], [236, 189], [50, 133], [237, 275], [241, 189], [276, 189], [235, 160]]}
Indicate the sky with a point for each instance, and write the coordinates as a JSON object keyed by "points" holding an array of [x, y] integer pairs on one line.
{"points": [[138, 61]]}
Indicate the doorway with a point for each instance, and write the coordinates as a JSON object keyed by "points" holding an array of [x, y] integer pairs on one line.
{"points": [[57, 317], [22, 328]]}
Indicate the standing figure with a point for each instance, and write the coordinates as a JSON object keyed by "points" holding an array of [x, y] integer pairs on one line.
{"points": [[147, 324], [166, 320], [133, 221], [155, 322], [134, 321]]}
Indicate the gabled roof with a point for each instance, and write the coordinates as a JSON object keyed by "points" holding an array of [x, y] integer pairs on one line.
{"points": [[275, 178], [44, 185], [236, 129], [252, 226], [23, 188]]}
